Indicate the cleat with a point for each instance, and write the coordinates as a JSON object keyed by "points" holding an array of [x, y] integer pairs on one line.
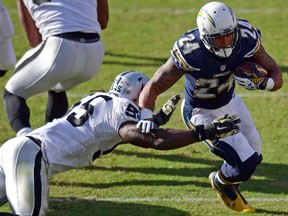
{"points": [[230, 196]]}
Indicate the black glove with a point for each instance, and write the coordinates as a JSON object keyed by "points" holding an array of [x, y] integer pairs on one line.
{"points": [[165, 113], [221, 127]]}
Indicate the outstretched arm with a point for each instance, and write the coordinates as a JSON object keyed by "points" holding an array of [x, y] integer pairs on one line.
{"points": [[161, 139], [168, 138]]}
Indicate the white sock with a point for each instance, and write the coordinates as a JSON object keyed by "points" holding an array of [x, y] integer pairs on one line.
{"points": [[24, 131]]}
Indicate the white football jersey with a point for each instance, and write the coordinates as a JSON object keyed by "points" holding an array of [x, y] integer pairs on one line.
{"points": [[87, 131], [60, 16]]}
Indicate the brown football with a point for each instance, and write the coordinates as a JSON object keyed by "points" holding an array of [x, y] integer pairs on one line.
{"points": [[247, 66]]}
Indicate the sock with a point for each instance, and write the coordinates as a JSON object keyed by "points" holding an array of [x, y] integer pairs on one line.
{"points": [[57, 105], [17, 111]]}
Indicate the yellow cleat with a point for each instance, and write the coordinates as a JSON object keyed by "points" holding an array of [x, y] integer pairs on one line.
{"points": [[230, 196]]}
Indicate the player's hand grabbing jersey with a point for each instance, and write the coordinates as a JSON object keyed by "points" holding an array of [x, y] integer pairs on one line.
{"points": [[209, 80], [87, 131]]}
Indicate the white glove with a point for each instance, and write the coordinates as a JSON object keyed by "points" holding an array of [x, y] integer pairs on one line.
{"points": [[246, 83], [251, 81], [146, 123], [146, 126]]}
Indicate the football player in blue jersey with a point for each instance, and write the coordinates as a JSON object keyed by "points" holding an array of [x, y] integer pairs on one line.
{"points": [[207, 56]]}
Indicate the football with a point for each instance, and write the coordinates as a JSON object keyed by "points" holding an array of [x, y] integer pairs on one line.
{"points": [[247, 66]]}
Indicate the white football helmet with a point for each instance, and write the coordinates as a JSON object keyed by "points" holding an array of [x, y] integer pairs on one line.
{"points": [[128, 85], [217, 19]]}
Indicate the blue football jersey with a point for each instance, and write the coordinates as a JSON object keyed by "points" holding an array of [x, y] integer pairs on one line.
{"points": [[209, 80]]}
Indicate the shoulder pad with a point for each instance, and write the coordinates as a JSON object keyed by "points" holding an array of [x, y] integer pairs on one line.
{"points": [[184, 50], [251, 37]]}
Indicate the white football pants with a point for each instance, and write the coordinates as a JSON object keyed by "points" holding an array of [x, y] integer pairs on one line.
{"points": [[23, 177], [56, 64], [246, 142]]}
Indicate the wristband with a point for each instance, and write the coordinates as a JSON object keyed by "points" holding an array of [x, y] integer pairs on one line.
{"points": [[146, 114], [270, 84], [196, 135]]}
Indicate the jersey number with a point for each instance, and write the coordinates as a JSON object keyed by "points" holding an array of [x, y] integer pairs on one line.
{"points": [[131, 111], [207, 84], [87, 109], [188, 45], [80, 116], [249, 31]]}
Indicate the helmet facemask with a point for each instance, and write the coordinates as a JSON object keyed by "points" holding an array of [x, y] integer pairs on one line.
{"points": [[221, 51]]}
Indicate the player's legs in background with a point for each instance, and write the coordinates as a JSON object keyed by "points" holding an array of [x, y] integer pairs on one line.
{"points": [[34, 74], [86, 65], [57, 105]]}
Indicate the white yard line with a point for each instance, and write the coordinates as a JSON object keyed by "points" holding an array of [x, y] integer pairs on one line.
{"points": [[187, 11], [154, 199], [248, 94], [168, 94], [151, 10]]}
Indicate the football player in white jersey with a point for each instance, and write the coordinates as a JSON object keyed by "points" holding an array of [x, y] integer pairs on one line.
{"points": [[207, 56], [93, 127], [66, 50], [7, 54]]}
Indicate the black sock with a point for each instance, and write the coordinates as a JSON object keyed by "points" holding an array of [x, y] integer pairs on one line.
{"points": [[57, 105], [17, 111], [2, 72]]}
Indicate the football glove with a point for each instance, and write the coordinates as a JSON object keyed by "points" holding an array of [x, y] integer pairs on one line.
{"points": [[221, 127], [146, 121], [165, 113], [251, 81]]}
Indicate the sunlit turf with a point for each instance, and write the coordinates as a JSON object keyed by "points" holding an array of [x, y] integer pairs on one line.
{"points": [[139, 182]]}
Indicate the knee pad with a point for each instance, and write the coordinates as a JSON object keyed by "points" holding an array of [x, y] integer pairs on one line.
{"points": [[242, 171], [247, 168], [234, 170]]}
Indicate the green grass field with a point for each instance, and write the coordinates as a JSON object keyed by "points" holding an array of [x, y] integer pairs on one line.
{"points": [[138, 182]]}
